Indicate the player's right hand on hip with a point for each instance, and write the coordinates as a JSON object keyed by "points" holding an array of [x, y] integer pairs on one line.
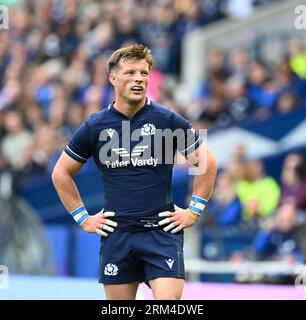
{"points": [[100, 224]]}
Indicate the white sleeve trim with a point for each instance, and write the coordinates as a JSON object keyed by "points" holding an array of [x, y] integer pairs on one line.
{"points": [[76, 154], [190, 146]]}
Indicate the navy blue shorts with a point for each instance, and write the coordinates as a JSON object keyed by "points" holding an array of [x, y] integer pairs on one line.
{"points": [[141, 256]]}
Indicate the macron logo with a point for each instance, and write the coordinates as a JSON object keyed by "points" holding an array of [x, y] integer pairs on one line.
{"points": [[170, 263], [110, 132]]}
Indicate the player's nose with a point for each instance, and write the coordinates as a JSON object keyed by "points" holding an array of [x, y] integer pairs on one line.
{"points": [[138, 77]]}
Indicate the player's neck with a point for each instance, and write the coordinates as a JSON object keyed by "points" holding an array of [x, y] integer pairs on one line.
{"points": [[127, 108]]}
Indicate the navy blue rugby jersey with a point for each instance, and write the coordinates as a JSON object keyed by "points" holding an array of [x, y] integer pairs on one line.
{"points": [[135, 157]]}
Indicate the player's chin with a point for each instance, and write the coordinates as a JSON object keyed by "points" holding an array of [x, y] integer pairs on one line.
{"points": [[137, 97]]}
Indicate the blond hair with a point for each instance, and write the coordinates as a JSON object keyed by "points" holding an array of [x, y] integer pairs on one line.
{"points": [[132, 52]]}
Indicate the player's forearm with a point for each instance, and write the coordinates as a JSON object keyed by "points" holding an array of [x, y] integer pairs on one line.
{"points": [[202, 189], [205, 179], [67, 190]]}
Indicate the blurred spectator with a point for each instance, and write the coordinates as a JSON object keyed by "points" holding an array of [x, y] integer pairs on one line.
{"points": [[258, 193], [29, 166], [34, 116], [214, 85], [287, 82], [189, 19], [258, 90], [239, 62], [236, 168], [16, 139], [216, 68], [7, 180], [156, 32], [216, 114], [45, 143], [75, 116], [212, 10], [280, 234], [288, 103], [239, 106], [225, 208], [298, 57], [76, 75], [216, 63], [239, 152], [126, 31], [294, 181], [42, 88], [57, 114]]}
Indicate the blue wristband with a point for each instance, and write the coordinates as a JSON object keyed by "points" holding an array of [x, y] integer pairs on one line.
{"points": [[80, 215], [197, 205]]}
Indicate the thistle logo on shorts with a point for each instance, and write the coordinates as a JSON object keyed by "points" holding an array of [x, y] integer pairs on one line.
{"points": [[111, 269], [148, 129]]}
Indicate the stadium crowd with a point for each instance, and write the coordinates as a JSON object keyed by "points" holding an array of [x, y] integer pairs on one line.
{"points": [[53, 65], [247, 198], [53, 75]]}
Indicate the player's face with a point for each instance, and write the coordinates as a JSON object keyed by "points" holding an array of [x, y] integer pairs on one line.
{"points": [[130, 80]]}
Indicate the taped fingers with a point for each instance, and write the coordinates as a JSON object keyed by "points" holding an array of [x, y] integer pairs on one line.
{"points": [[109, 214], [165, 214], [177, 229], [170, 226], [164, 221], [108, 224], [111, 223], [107, 228], [102, 233]]}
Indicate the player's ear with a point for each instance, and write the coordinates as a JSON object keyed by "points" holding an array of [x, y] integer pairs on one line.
{"points": [[112, 79]]}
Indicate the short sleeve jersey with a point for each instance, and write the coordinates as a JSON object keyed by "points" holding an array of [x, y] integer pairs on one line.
{"points": [[135, 157]]}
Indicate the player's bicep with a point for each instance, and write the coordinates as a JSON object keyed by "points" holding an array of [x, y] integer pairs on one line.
{"points": [[67, 165], [80, 146], [187, 140], [203, 160], [197, 155]]}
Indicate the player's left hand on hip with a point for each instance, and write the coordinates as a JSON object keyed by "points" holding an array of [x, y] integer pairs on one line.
{"points": [[175, 221]]}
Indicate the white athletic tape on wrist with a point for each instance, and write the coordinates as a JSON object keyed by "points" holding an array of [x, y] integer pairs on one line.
{"points": [[80, 215], [197, 205]]}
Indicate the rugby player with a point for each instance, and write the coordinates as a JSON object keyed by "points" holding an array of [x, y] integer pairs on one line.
{"points": [[141, 228]]}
